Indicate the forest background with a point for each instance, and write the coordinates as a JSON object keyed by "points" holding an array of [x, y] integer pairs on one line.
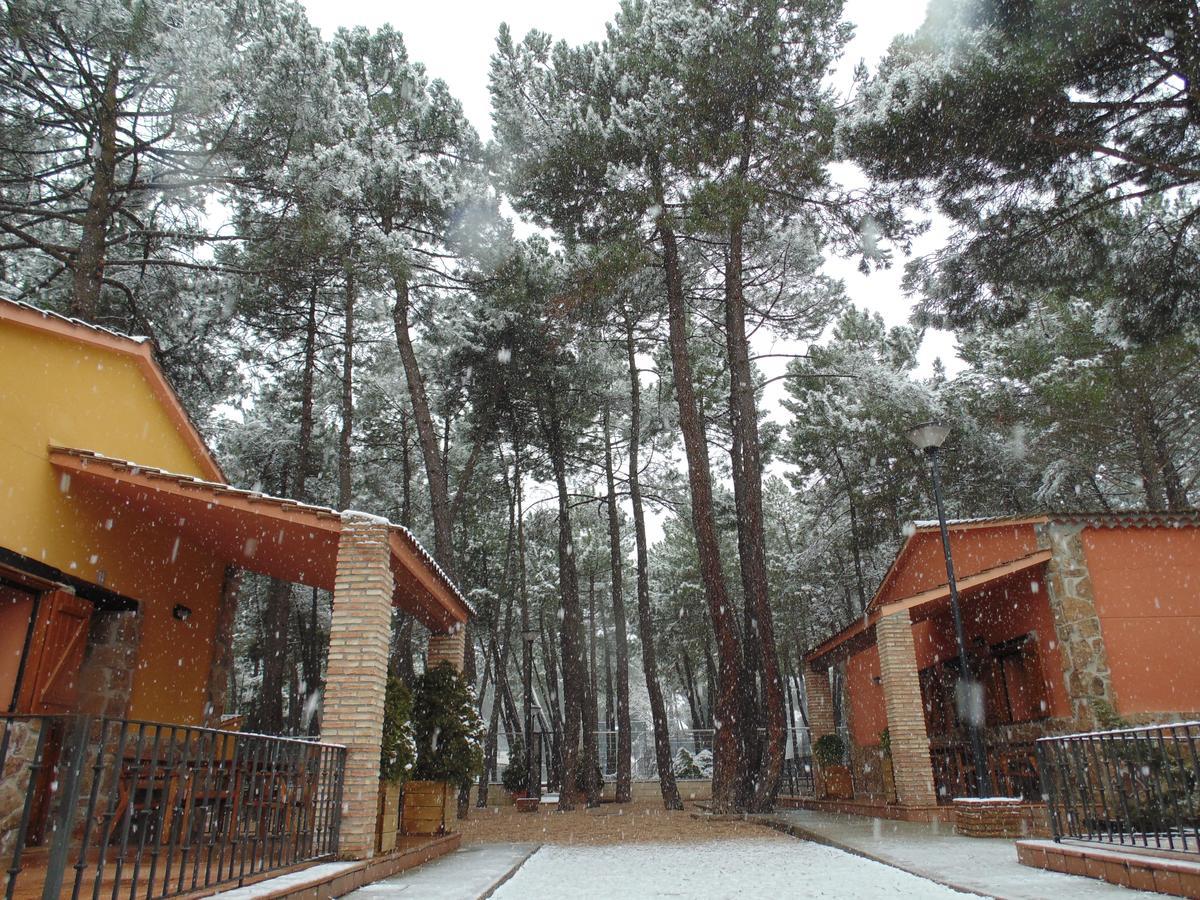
{"points": [[601, 362]]}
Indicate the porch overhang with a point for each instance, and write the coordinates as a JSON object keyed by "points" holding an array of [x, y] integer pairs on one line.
{"points": [[919, 606], [285, 539]]}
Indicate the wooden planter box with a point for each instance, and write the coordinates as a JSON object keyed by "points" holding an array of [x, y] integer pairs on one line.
{"points": [[387, 823], [528, 804], [425, 804], [838, 784]]}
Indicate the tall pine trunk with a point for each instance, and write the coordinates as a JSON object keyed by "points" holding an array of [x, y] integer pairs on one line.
{"points": [[574, 673], [747, 490], [591, 740], [620, 628], [658, 712], [88, 262], [439, 490], [346, 435], [728, 764]]}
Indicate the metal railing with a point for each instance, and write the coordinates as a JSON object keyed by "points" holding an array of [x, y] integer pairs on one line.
{"points": [[142, 809], [1012, 768], [1135, 787]]}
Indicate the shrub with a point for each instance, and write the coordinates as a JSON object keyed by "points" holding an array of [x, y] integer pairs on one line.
{"points": [[829, 750], [397, 751], [885, 742], [446, 727], [515, 776], [685, 765]]}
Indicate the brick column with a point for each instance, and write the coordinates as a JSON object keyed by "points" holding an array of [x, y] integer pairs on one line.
{"points": [[820, 713], [359, 635], [1086, 674], [905, 710], [820, 701], [450, 647]]}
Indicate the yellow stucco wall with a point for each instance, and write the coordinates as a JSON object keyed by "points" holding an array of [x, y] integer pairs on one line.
{"points": [[57, 390]]}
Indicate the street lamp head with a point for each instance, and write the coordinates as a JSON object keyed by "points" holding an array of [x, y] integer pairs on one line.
{"points": [[530, 635], [928, 436]]}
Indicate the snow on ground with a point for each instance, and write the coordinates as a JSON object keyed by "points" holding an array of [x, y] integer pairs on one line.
{"points": [[713, 869]]}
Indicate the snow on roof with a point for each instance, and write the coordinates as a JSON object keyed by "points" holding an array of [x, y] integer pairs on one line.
{"points": [[285, 504], [1131, 518], [80, 323]]}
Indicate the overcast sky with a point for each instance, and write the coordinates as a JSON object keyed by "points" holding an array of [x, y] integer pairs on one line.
{"points": [[455, 39]]}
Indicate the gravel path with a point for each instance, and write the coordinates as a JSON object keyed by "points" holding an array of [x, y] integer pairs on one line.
{"points": [[611, 823], [746, 867]]}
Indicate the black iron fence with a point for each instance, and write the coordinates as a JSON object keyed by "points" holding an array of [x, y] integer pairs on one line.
{"points": [[95, 807], [1137, 787]]}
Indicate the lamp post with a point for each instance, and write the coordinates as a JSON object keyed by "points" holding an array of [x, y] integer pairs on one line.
{"points": [[928, 438], [532, 779]]}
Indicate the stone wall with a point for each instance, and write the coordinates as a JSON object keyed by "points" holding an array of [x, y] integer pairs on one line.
{"points": [[1086, 672], [217, 693], [106, 674], [21, 737]]}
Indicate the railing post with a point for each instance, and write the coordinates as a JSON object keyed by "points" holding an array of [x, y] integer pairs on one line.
{"points": [[75, 745], [1048, 792]]}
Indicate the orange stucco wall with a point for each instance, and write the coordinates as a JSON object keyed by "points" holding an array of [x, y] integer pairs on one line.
{"points": [[923, 565], [1146, 583], [868, 711], [56, 390]]}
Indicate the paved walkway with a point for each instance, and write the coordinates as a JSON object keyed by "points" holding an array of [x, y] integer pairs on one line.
{"points": [[983, 866], [467, 874]]}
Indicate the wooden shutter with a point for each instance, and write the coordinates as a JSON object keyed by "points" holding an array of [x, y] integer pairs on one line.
{"points": [[49, 683]]}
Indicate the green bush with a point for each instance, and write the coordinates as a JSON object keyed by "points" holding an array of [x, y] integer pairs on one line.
{"points": [[885, 742], [397, 751], [516, 774], [829, 750], [446, 727], [686, 766]]}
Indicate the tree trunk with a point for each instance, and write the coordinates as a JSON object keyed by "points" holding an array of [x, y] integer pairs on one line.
{"points": [[574, 673], [855, 544], [727, 758], [591, 740], [88, 264], [553, 698], [624, 791], [268, 718], [752, 550], [345, 438], [439, 491], [658, 712]]}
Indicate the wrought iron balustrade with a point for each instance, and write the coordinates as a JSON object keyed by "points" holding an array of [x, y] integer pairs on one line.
{"points": [[1134, 787], [93, 806], [1012, 766]]}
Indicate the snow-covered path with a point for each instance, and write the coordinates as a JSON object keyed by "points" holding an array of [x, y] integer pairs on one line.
{"points": [[714, 869]]}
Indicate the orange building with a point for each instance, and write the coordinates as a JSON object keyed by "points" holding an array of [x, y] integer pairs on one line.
{"points": [[1070, 620], [121, 545]]}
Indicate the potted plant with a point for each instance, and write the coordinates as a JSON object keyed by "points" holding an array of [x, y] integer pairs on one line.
{"points": [[829, 751], [448, 735], [396, 755], [889, 771]]}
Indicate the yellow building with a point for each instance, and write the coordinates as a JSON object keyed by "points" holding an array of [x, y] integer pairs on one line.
{"points": [[121, 545]]}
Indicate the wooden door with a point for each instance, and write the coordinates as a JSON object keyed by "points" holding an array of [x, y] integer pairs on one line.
{"points": [[50, 681]]}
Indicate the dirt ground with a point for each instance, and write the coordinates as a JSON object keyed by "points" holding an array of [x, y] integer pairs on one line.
{"points": [[611, 823]]}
